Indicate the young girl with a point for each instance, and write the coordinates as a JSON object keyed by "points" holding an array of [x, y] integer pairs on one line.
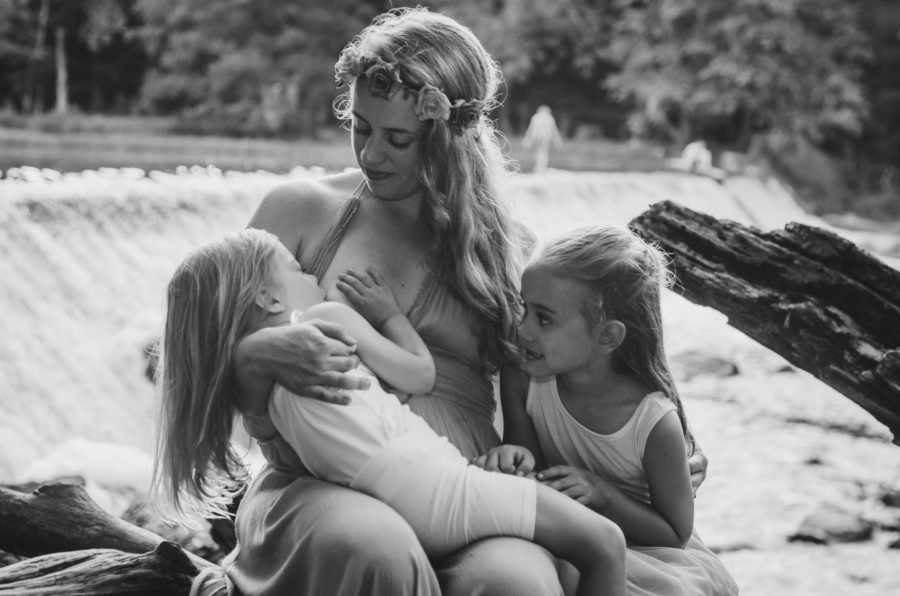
{"points": [[375, 444], [601, 409]]}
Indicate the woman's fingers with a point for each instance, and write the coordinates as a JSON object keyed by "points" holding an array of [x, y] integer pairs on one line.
{"points": [[328, 394], [339, 381], [698, 465], [335, 332], [340, 363]]}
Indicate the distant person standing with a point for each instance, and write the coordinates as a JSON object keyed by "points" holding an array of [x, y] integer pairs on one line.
{"points": [[542, 134]]}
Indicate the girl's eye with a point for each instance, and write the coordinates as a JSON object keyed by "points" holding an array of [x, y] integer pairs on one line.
{"points": [[543, 321]]}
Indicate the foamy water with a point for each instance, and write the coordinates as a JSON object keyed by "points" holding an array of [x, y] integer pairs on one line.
{"points": [[86, 257]]}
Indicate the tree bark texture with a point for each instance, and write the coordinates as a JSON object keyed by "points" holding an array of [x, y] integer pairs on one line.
{"points": [[813, 297], [101, 554], [164, 570]]}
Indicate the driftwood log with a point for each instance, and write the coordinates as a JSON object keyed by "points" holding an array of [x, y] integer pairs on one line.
{"points": [[813, 297], [101, 554]]}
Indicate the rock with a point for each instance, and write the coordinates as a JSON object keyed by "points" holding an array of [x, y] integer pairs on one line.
{"points": [[831, 524], [891, 497], [692, 363], [884, 519]]}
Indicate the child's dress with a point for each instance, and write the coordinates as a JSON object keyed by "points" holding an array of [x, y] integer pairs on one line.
{"points": [[380, 447], [658, 571]]}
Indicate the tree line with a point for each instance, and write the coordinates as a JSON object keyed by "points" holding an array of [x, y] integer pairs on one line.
{"points": [[821, 72]]}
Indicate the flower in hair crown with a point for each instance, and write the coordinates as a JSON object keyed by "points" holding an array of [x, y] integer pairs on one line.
{"points": [[383, 79], [432, 104]]}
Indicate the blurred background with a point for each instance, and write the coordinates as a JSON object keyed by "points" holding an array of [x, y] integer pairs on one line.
{"points": [[133, 130], [810, 87]]}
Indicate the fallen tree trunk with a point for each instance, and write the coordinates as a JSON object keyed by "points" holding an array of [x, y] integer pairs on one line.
{"points": [[102, 554], [164, 570], [813, 297]]}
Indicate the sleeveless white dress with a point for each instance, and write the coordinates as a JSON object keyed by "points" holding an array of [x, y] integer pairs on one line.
{"points": [[652, 571]]}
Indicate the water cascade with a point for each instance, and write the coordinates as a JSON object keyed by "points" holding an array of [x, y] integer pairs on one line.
{"points": [[85, 259]]}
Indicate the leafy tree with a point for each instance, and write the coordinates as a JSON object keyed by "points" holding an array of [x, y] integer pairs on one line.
{"points": [[243, 66], [550, 53], [43, 40], [702, 66]]}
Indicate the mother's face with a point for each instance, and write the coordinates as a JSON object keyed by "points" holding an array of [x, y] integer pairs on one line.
{"points": [[386, 136]]}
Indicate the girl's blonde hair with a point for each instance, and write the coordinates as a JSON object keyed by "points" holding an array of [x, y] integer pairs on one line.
{"points": [[210, 306], [477, 246], [625, 277]]}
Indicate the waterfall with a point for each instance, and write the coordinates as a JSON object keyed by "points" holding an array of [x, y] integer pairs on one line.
{"points": [[84, 259]]}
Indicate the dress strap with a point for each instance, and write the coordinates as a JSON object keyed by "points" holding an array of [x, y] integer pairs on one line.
{"points": [[325, 253]]}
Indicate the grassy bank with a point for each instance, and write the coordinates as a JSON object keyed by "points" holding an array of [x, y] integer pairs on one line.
{"points": [[84, 148]]}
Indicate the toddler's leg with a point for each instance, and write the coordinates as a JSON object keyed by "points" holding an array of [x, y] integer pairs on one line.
{"points": [[501, 566], [591, 542]]}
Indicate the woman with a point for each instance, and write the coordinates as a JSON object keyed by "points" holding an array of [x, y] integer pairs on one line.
{"points": [[424, 210]]}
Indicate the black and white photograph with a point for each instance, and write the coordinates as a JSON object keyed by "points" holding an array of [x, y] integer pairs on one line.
{"points": [[450, 297]]}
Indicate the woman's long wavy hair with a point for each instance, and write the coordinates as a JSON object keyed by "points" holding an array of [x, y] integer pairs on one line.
{"points": [[210, 306], [625, 277], [477, 246]]}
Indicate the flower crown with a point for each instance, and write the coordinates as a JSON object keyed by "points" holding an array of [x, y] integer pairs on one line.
{"points": [[383, 80]]}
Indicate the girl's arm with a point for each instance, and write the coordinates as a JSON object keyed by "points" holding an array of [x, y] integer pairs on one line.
{"points": [[669, 519], [397, 354], [518, 429]]}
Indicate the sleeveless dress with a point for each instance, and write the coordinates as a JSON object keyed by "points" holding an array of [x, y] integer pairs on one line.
{"points": [[300, 536], [652, 571], [461, 405]]}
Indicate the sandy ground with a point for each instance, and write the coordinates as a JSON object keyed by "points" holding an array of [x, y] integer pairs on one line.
{"points": [[762, 481]]}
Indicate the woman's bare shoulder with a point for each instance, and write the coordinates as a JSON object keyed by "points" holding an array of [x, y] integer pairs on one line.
{"points": [[306, 197], [298, 208]]}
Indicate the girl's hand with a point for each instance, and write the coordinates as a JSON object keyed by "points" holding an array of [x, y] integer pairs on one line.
{"points": [[510, 459], [585, 487], [368, 293]]}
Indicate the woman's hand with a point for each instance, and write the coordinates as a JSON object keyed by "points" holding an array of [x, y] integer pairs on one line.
{"points": [[698, 464], [368, 293], [309, 359], [585, 487], [510, 459]]}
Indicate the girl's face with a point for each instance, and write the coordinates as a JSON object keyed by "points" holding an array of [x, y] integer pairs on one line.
{"points": [[556, 335], [385, 138], [295, 289]]}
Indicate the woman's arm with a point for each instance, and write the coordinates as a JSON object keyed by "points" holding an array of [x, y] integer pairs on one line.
{"points": [[310, 359], [397, 354]]}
